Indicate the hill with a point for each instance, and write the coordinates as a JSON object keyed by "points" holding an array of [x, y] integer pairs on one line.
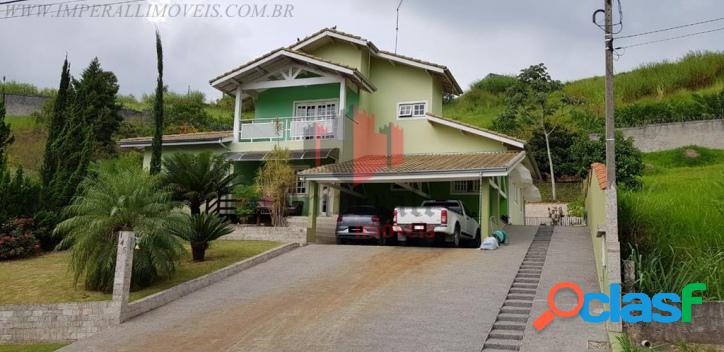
{"points": [[685, 89]]}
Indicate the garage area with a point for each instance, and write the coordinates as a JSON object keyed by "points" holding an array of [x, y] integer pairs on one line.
{"points": [[492, 186]]}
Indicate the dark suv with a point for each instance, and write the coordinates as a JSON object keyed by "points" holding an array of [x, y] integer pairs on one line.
{"points": [[363, 222]]}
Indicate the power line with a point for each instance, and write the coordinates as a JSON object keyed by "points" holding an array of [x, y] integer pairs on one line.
{"points": [[670, 28], [671, 38], [11, 2]]}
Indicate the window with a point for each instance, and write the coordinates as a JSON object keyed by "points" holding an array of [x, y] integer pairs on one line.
{"points": [[465, 187], [315, 109], [300, 186], [408, 110]]}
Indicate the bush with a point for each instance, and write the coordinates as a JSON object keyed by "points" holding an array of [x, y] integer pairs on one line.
{"points": [[247, 196], [19, 195], [494, 83], [199, 230], [629, 162], [17, 240]]}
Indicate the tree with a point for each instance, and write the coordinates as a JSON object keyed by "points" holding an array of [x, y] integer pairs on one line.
{"points": [[95, 102], [275, 180], [629, 161], [6, 136], [560, 141], [56, 125], [156, 145], [113, 199], [197, 178], [199, 230], [535, 102]]}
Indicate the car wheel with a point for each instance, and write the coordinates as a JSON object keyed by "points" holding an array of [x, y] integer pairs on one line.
{"points": [[478, 239], [456, 236]]}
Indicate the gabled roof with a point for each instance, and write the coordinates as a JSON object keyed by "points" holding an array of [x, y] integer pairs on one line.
{"points": [[252, 70], [497, 136], [447, 166], [325, 34], [179, 139]]}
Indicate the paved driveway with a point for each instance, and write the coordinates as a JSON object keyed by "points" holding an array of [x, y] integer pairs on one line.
{"points": [[336, 298]]}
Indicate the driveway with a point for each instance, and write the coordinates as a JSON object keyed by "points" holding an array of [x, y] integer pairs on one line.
{"points": [[336, 298]]}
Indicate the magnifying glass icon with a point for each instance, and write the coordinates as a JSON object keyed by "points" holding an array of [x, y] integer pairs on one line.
{"points": [[547, 317]]}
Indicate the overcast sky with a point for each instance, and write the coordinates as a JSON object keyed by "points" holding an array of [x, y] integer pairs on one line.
{"points": [[473, 38]]}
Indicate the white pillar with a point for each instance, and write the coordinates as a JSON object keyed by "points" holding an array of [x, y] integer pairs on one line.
{"points": [[342, 107], [124, 268], [237, 116]]}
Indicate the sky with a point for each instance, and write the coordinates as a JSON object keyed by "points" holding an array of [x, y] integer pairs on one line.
{"points": [[472, 38]]}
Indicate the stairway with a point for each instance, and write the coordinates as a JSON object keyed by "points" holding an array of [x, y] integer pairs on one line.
{"points": [[507, 331]]}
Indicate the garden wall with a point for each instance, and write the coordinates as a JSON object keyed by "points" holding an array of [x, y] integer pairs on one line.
{"points": [[154, 301], [23, 105], [55, 322], [707, 324], [665, 136], [287, 234]]}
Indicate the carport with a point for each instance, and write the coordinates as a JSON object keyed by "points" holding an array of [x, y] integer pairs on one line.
{"points": [[491, 184]]}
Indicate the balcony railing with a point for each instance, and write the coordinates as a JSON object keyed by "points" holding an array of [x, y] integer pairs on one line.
{"points": [[289, 128]]}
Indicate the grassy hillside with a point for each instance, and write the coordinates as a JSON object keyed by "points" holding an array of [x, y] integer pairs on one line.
{"points": [[29, 146], [675, 221], [665, 89]]}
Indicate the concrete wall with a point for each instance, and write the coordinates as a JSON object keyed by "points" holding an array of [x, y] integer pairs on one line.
{"points": [[707, 324], [289, 234], [54, 322], [23, 105], [665, 136], [595, 218]]}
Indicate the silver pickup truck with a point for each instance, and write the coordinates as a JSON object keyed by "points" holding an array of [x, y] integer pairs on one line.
{"points": [[433, 219]]}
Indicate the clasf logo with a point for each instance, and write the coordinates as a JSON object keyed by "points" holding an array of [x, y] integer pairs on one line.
{"points": [[639, 308]]}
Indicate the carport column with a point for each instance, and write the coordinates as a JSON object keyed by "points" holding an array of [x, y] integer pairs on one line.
{"points": [[484, 210], [237, 116], [313, 211]]}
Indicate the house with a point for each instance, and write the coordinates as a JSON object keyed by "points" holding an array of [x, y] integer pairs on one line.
{"points": [[364, 126]]}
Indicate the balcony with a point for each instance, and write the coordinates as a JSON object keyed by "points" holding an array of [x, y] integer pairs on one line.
{"points": [[289, 128]]}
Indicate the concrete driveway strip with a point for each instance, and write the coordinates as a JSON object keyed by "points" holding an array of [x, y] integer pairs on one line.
{"points": [[570, 258], [336, 298]]}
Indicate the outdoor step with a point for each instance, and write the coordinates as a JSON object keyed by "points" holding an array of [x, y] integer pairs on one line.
{"points": [[515, 311], [521, 298], [530, 271], [531, 267], [509, 336], [509, 326], [501, 345], [524, 286], [522, 291], [526, 275], [517, 304], [526, 281], [513, 319]]}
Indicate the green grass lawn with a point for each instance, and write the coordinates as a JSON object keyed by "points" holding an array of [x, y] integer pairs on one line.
{"points": [[48, 347], [29, 146], [677, 221], [46, 279]]}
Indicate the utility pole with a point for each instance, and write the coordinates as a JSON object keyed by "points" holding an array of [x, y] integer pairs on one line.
{"points": [[610, 126]]}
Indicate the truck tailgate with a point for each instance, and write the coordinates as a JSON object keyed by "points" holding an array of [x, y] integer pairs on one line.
{"points": [[418, 215]]}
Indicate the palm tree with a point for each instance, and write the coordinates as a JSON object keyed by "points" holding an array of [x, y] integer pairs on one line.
{"points": [[199, 230], [197, 178], [117, 198]]}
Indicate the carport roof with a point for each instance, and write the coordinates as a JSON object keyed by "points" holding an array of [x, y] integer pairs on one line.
{"points": [[410, 167]]}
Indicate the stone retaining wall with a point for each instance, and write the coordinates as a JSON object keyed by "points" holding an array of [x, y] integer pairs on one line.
{"points": [[707, 324], [60, 322], [288, 234], [159, 299]]}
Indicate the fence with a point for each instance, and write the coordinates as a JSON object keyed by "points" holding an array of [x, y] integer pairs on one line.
{"points": [[564, 221]]}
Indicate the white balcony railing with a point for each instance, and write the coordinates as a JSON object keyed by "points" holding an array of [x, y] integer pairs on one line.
{"points": [[289, 128]]}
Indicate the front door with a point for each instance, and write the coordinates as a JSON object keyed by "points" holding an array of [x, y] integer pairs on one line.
{"points": [[326, 197]]}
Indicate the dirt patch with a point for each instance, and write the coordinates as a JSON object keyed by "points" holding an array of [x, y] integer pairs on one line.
{"points": [[309, 315], [691, 153]]}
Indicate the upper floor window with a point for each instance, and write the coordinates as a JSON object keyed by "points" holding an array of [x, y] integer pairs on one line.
{"points": [[465, 187], [414, 109]]}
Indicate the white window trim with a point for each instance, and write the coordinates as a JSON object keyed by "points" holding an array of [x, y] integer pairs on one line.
{"points": [[413, 117], [454, 192], [297, 179], [312, 101]]}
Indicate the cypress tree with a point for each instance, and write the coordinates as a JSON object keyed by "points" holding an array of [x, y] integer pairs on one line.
{"points": [[156, 146], [6, 136], [57, 124], [95, 101]]}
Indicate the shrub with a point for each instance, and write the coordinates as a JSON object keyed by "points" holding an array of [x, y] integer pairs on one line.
{"points": [[197, 178], [19, 195], [247, 197], [199, 230], [629, 162], [17, 240], [494, 83], [114, 199]]}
